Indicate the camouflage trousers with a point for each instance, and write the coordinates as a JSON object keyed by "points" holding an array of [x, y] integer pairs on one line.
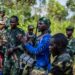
{"points": [[10, 67], [34, 72], [38, 72]]}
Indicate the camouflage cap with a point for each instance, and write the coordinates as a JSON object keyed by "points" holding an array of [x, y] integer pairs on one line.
{"points": [[30, 27], [45, 21], [70, 28]]}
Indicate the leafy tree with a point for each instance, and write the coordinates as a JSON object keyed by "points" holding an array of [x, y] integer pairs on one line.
{"points": [[56, 10], [71, 4]]}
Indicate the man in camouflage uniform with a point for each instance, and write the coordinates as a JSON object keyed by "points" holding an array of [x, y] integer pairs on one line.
{"points": [[30, 34], [71, 40], [12, 64], [41, 51], [3, 39], [2, 43], [62, 64], [31, 37]]}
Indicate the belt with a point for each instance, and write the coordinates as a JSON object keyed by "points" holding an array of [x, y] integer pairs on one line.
{"points": [[41, 69]]}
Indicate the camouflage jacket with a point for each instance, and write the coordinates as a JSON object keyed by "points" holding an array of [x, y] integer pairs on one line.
{"points": [[62, 65], [13, 41], [71, 46], [12, 36], [3, 40]]}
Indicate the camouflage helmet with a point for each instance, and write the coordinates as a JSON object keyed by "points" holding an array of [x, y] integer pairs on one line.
{"points": [[45, 21], [70, 28]]}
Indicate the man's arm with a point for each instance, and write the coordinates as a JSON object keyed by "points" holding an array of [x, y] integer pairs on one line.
{"points": [[40, 47]]}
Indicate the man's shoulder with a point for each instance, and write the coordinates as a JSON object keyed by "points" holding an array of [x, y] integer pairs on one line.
{"points": [[47, 36], [72, 40], [64, 57], [16, 30], [20, 30]]}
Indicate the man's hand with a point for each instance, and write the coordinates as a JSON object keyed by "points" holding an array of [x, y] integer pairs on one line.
{"points": [[24, 40], [19, 36], [2, 26], [9, 51]]}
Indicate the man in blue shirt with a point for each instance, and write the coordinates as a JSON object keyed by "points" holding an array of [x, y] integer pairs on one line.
{"points": [[41, 50]]}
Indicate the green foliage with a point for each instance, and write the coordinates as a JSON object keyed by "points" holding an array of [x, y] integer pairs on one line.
{"points": [[71, 4], [56, 10], [56, 13], [59, 27]]}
